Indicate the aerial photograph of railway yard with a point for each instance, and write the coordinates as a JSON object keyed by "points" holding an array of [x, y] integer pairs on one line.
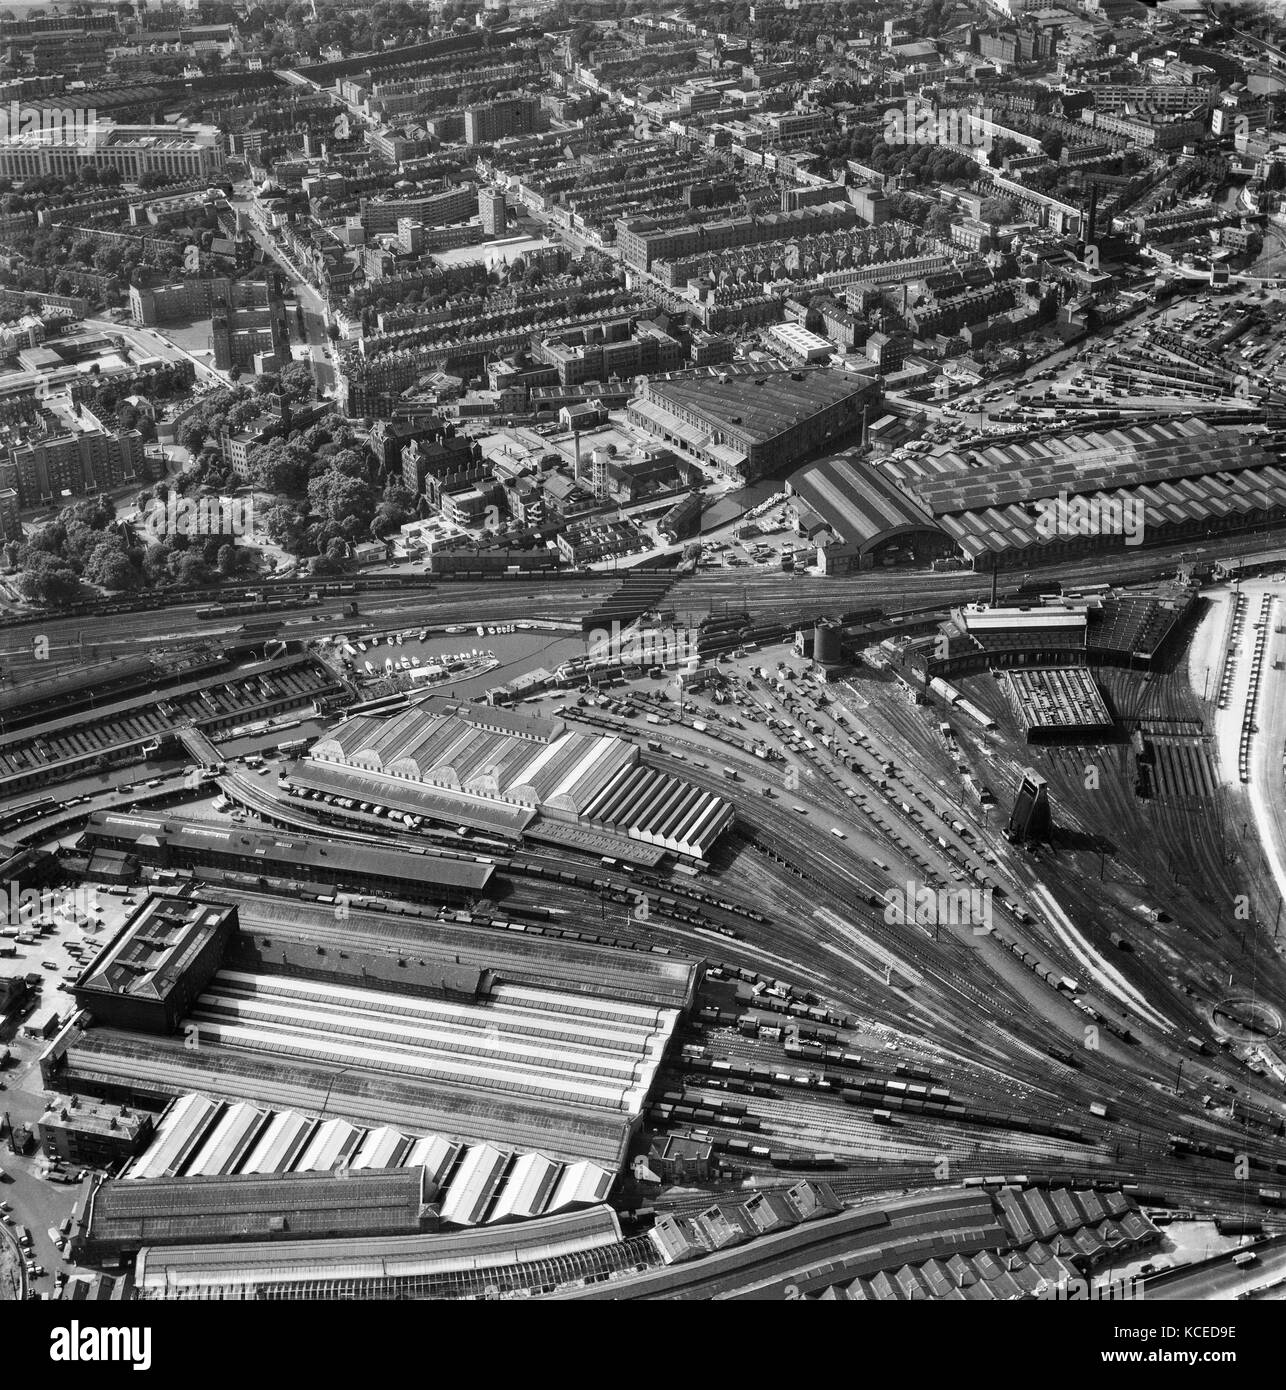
{"points": [[643, 659]]}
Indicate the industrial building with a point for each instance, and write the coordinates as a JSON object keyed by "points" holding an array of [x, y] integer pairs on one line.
{"points": [[120, 1217], [148, 975], [200, 691], [1008, 634], [1115, 628], [416, 1030], [488, 754], [519, 1259], [172, 842], [748, 427], [512, 1038], [870, 521], [1058, 704], [192, 152], [442, 806], [1059, 498]]}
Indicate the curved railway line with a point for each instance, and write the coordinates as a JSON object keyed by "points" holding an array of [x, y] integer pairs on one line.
{"points": [[788, 899]]}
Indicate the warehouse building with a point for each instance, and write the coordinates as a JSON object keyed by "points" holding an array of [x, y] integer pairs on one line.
{"points": [[748, 427], [210, 695], [122, 1217], [490, 754], [520, 1069], [1058, 705], [870, 521], [273, 928], [515, 1040], [1064, 497], [415, 1040], [449, 807], [148, 975], [565, 1247], [175, 843], [180, 1133], [1114, 628]]}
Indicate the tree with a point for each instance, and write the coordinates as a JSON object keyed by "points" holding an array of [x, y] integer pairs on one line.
{"points": [[46, 579], [996, 211], [193, 438], [286, 525], [156, 562], [188, 569], [280, 467], [1052, 144], [297, 380], [938, 223], [109, 567], [344, 501]]}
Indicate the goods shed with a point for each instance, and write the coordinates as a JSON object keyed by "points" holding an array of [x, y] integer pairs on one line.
{"points": [[871, 521]]}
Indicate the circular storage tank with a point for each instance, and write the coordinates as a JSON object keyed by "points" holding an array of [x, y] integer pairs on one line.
{"points": [[828, 642]]}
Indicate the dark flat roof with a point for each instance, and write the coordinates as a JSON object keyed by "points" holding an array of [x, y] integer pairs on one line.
{"points": [[760, 408], [334, 858], [167, 1211], [155, 946]]}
